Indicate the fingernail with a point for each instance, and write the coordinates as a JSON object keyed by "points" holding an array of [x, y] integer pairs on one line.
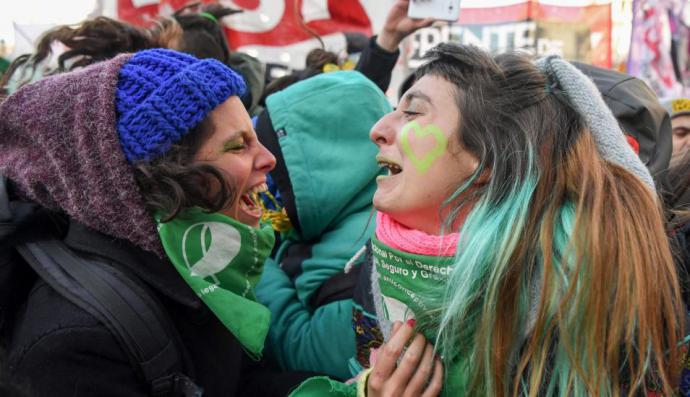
{"points": [[411, 322]]}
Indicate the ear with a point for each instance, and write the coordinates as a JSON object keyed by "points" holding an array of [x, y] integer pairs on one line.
{"points": [[483, 177]]}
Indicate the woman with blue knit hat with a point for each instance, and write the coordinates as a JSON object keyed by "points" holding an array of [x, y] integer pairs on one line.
{"points": [[148, 165]]}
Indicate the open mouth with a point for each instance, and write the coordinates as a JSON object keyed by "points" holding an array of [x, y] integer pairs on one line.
{"points": [[249, 201], [392, 167]]}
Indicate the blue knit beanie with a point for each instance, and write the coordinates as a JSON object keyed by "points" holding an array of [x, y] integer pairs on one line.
{"points": [[163, 94]]}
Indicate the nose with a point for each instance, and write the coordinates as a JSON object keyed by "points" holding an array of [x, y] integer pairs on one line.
{"points": [[265, 161], [383, 132]]}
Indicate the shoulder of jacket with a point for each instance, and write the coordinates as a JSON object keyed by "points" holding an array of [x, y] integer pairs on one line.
{"points": [[50, 318]]}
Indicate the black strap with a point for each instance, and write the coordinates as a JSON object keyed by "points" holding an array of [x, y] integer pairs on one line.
{"points": [[340, 286], [295, 254], [175, 385], [126, 308]]}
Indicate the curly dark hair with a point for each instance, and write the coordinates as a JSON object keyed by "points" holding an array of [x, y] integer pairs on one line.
{"points": [[202, 38], [173, 182], [91, 41]]}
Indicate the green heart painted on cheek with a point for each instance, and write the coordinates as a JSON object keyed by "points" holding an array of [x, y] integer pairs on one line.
{"points": [[423, 163]]}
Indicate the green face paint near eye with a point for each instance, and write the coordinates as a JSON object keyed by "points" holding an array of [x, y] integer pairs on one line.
{"points": [[235, 144], [422, 164]]}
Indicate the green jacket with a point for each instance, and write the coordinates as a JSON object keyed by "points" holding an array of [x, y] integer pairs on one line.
{"points": [[326, 169]]}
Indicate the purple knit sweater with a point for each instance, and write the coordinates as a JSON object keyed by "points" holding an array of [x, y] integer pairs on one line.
{"points": [[59, 145]]}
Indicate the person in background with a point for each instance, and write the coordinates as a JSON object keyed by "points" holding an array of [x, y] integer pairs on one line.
{"points": [[679, 110], [67, 47], [679, 195], [198, 33], [204, 37], [377, 59]]}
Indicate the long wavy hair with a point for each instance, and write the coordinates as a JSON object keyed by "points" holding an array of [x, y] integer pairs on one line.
{"points": [[88, 42], [563, 283]]}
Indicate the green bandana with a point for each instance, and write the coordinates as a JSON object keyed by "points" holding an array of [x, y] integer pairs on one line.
{"points": [[406, 278], [405, 281], [222, 259]]}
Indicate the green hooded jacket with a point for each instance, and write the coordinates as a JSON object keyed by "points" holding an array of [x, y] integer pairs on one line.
{"points": [[318, 129]]}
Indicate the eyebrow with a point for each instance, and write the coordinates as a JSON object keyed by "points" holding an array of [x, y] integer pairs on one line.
{"points": [[237, 134], [416, 94]]}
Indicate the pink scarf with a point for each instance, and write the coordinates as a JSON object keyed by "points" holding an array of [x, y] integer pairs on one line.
{"points": [[412, 241]]}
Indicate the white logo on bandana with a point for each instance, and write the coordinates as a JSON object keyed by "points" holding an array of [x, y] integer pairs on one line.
{"points": [[223, 248]]}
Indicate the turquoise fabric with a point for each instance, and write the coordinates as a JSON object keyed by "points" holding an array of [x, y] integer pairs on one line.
{"points": [[323, 125]]}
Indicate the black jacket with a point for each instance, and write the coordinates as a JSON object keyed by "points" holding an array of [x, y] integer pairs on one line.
{"points": [[57, 349], [377, 64]]}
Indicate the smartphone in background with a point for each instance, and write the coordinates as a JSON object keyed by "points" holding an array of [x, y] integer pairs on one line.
{"points": [[446, 10]]}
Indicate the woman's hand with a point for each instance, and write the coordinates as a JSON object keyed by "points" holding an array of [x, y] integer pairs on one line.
{"points": [[419, 372], [398, 26]]}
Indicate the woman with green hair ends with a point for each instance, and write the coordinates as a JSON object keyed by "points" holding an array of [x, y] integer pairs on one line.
{"points": [[518, 230]]}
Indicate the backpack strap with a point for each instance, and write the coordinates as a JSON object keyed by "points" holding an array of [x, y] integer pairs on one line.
{"points": [[340, 286], [125, 307]]}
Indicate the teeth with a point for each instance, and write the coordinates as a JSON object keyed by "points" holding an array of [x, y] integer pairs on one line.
{"points": [[392, 168], [258, 189]]}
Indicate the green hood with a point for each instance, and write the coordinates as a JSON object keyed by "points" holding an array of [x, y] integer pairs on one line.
{"points": [[318, 129], [322, 125]]}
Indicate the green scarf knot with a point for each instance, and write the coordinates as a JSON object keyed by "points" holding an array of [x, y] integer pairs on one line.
{"points": [[222, 259]]}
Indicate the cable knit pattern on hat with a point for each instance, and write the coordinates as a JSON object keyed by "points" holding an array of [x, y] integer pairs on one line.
{"points": [[60, 148], [163, 94], [587, 100]]}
